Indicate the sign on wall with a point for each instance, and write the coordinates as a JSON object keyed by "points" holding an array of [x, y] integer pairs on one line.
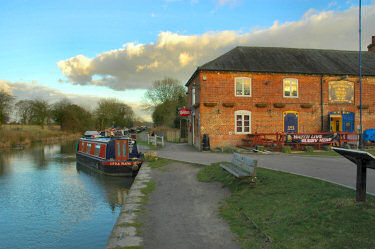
{"points": [[341, 92], [184, 112], [312, 138]]}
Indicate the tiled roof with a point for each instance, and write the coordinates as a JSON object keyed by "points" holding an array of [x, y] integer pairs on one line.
{"points": [[292, 60]]}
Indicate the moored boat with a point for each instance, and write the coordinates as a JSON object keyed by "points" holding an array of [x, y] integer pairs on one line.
{"points": [[116, 156]]}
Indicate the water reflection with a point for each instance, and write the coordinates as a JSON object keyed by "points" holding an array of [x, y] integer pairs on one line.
{"points": [[47, 201], [116, 187]]}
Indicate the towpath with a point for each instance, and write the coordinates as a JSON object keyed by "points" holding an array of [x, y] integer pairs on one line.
{"points": [[183, 212]]}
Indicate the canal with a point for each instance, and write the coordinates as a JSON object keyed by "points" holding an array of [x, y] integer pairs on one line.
{"points": [[47, 201]]}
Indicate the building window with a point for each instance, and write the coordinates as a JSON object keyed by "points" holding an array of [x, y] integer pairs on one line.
{"points": [[193, 96], [243, 86], [243, 122], [290, 88]]}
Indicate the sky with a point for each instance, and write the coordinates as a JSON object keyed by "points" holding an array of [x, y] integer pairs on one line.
{"points": [[85, 50]]}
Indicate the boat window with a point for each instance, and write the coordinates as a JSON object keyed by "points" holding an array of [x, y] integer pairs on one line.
{"points": [[118, 149], [88, 149], [124, 153], [97, 149]]}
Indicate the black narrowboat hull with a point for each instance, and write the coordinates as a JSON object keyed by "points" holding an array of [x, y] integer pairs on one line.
{"points": [[108, 167]]}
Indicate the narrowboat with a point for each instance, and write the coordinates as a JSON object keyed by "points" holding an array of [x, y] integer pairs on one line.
{"points": [[116, 156]]}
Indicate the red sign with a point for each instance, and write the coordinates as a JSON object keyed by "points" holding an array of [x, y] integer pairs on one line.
{"points": [[184, 112]]}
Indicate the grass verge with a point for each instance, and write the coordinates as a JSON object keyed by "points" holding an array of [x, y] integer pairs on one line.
{"points": [[289, 211], [150, 187], [144, 143], [21, 135], [159, 163]]}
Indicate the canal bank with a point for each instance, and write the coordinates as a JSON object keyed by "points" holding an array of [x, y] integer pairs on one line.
{"points": [[181, 212], [125, 232]]}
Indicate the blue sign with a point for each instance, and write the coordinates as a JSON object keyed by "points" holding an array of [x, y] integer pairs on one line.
{"points": [[290, 122]]}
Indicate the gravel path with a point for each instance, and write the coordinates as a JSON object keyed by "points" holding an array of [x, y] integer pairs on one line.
{"points": [[183, 213]]}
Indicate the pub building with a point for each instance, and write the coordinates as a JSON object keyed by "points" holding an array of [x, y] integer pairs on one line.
{"points": [[272, 89]]}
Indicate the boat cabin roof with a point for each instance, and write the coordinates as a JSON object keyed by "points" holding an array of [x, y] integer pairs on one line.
{"points": [[103, 139]]}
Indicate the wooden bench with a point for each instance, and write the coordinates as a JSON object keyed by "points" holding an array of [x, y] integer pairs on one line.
{"points": [[241, 166]]}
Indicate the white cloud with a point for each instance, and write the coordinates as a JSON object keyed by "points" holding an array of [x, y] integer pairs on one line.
{"points": [[176, 55]]}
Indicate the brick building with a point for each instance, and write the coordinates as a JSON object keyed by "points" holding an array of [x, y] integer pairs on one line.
{"points": [[269, 90]]}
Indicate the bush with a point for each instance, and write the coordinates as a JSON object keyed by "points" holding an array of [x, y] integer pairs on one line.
{"points": [[347, 146], [327, 148], [286, 149], [150, 156], [259, 147], [308, 149]]}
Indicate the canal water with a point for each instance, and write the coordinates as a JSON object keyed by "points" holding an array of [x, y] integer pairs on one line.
{"points": [[48, 201]]}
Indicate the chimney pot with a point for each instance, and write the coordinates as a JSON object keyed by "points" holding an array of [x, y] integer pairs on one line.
{"points": [[371, 47]]}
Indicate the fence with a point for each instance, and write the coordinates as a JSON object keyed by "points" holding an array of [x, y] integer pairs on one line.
{"points": [[170, 135], [155, 140]]}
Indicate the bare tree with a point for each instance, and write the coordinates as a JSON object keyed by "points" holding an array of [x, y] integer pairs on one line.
{"points": [[23, 108], [164, 97], [6, 101], [113, 112]]}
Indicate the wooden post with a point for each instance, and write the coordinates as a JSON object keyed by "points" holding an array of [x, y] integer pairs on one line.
{"points": [[361, 181], [148, 138], [162, 141], [156, 138]]}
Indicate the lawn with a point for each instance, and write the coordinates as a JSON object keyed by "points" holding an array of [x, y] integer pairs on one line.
{"points": [[288, 211]]}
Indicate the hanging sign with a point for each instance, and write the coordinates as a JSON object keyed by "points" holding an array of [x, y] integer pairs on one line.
{"points": [[184, 112], [341, 92]]}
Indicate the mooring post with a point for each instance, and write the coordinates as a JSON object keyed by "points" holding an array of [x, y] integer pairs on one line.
{"points": [[361, 181]]}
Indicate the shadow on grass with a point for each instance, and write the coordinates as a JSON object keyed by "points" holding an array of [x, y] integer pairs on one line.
{"points": [[288, 211]]}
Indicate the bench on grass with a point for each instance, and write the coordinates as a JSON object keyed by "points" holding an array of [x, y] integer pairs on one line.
{"points": [[241, 166]]}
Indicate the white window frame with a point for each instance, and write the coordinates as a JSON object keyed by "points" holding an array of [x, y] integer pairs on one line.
{"points": [[243, 88], [242, 113], [290, 79], [193, 96]]}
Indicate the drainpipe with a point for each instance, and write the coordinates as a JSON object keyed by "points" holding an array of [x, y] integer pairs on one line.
{"points": [[321, 103]]}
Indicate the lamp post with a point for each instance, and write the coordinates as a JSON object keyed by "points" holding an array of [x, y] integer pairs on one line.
{"points": [[360, 79]]}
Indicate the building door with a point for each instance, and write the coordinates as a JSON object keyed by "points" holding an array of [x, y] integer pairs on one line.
{"points": [[348, 121], [291, 122], [336, 123]]}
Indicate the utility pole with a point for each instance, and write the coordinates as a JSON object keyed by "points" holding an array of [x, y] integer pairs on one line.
{"points": [[360, 77]]}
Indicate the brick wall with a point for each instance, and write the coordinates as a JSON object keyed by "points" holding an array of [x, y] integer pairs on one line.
{"points": [[217, 87]]}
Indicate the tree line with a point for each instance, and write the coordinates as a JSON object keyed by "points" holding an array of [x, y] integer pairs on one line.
{"points": [[163, 99], [70, 117]]}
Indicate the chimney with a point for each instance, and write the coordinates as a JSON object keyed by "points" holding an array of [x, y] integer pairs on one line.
{"points": [[371, 47]]}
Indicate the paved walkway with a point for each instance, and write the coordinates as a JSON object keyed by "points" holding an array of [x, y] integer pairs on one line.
{"points": [[333, 169]]}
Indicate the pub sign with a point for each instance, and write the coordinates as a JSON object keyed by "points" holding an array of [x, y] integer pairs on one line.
{"points": [[341, 92]]}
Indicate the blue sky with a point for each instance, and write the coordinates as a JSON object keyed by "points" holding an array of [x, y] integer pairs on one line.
{"points": [[117, 48]]}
